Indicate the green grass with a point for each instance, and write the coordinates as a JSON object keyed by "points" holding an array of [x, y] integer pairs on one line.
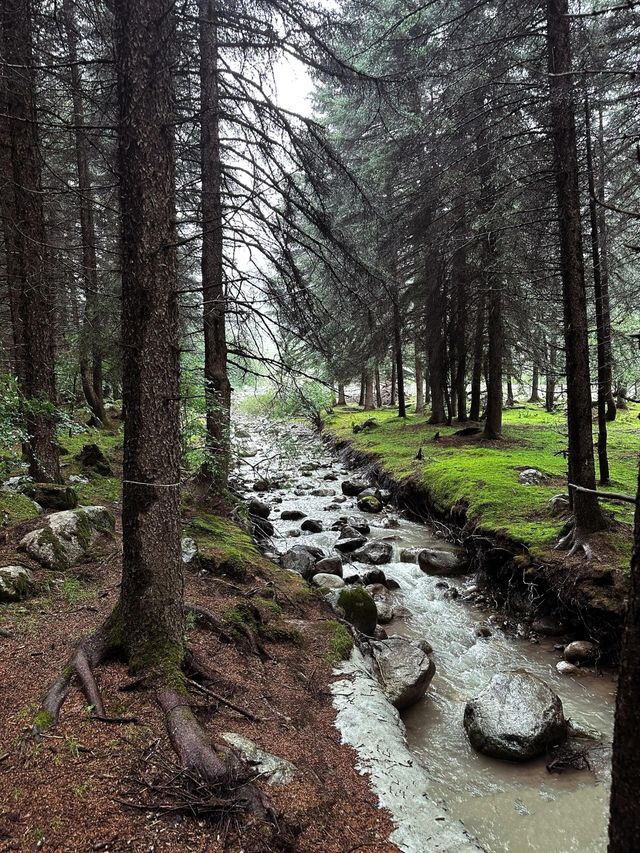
{"points": [[15, 507], [483, 476]]}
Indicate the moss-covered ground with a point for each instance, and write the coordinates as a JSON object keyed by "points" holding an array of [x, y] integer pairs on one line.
{"points": [[483, 475]]}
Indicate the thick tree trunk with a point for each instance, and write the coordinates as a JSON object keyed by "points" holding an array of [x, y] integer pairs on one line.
{"points": [[493, 422], [151, 597], [217, 386], [510, 398], [90, 354], [397, 353], [478, 358], [369, 404], [535, 384], [341, 398], [603, 327], [35, 297], [604, 269], [624, 825], [587, 514], [461, 279], [436, 339], [362, 384]]}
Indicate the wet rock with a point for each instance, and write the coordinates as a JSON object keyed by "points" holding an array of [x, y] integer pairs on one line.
{"points": [[68, 536], [370, 492], [358, 608], [278, 771], [392, 522], [52, 496], [548, 627], [352, 488], [301, 559], [312, 525], [380, 633], [409, 555], [369, 504], [294, 533], [581, 652], [16, 583], [261, 486], [262, 527], [426, 646], [516, 717], [258, 508], [392, 584], [292, 514], [451, 562], [405, 668], [566, 668], [374, 576], [483, 631], [322, 493], [442, 585], [349, 540], [322, 579], [376, 553], [331, 565], [92, 457], [531, 477], [357, 523], [329, 477]]}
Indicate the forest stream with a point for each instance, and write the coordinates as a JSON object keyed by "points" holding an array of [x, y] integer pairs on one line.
{"points": [[504, 806]]}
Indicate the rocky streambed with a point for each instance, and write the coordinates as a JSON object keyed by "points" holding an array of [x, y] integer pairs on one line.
{"points": [[478, 667]]}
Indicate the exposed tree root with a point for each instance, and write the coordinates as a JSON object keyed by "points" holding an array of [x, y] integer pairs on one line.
{"points": [[88, 655], [214, 765], [576, 542], [209, 620]]}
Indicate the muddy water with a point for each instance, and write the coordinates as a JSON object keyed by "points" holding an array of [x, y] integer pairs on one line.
{"points": [[507, 807]]}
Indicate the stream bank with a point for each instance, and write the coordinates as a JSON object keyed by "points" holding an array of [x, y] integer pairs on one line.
{"points": [[588, 599], [501, 806]]}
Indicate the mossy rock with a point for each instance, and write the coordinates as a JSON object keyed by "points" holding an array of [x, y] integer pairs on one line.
{"points": [[359, 608], [53, 496], [16, 583], [68, 536], [16, 507], [340, 642], [369, 503]]}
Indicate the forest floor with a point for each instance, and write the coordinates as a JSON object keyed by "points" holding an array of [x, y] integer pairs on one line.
{"points": [[88, 785], [482, 477]]}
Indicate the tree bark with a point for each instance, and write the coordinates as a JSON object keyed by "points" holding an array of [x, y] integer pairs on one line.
{"points": [[378, 388], [436, 339], [604, 269], [587, 514], [90, 352], [151, 597], [624, 824], [369, 404], [550, 390], [393, 379], [35, 297], [602, 315], [362, 389], [478, 358], [419, 368], [341, 398], [535, 384], [493, 421], [397, 352], [217, 386]]}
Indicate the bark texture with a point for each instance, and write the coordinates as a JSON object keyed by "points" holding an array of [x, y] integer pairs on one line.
{"points": [[151, 600], [588, 517]]}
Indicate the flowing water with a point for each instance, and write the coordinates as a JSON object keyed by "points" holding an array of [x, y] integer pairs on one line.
{"points": [[507, 807]]}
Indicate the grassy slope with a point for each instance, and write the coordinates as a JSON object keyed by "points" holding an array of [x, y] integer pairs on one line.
{"points": [[485, 474]]}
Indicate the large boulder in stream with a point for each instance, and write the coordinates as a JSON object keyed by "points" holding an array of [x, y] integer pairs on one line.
{"points": [[359, 608], [516, 717], [369, 503], [440, 561], [302, 559], [349, 540], [376, 553], [405, 669], [352, 488], [68, 536]]}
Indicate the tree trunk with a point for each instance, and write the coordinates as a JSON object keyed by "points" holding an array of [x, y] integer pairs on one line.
{"points": [[341, 398], [90, 354], [436, 339], [362, 384], [602, 316], [151, 597], [550, 390], [419, 381], [510, 398], [369, 404], [35, 297], [535, 384], [478, 357], [393, 379], [378, 388], [587, 514], [624, 824], [216, 380], [604, 270], [462, 302], [493, 422], [397, 352]]}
